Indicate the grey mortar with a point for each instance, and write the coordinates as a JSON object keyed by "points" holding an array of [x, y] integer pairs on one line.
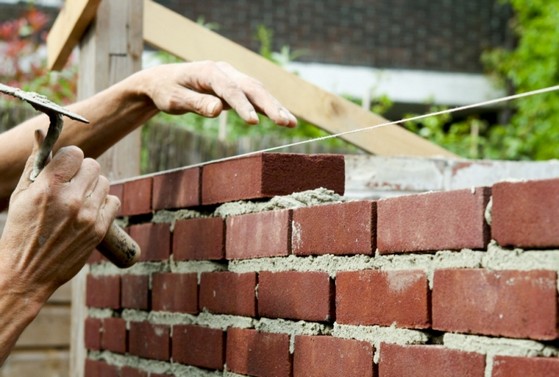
{"points": [[292, 328], [171, 217]]}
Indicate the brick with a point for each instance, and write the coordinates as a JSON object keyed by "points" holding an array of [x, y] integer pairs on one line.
{"points": [[114, 335], [154, 240], [93, 328], [118, 191], [517, 304], [175, 292], [524, 214], [135, 292], [137, 197], [349, 230], [149, 341], [326, 356], [509, 366], [103, 291], [97, 368], [383, 298], [428, 361], [269, 174], [199, 346], [96, 257], [264, 234], [132, 372], [450, 220], [177, 189], [228, 293], [199, 239], [295, 295], [257, 353]]}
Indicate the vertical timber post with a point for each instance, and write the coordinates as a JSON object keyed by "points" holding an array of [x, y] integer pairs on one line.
{"points": [[110, 50]]}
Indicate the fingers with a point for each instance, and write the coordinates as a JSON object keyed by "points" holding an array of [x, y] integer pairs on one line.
{"points": [[24, 180], [64, 165]]}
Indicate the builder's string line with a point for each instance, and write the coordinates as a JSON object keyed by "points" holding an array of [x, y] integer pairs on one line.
{"points": [[369, 128]]}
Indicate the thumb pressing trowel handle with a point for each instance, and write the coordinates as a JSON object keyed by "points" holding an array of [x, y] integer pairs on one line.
{"points": [[119, 247]]}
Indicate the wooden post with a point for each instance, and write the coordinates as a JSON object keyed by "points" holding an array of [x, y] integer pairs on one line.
{"points": [[110, 51]]}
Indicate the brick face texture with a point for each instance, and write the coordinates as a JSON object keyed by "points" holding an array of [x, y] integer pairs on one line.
{"points": [[352, 288]]}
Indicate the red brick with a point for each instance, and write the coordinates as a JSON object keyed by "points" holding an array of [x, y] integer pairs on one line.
{"points": [[96, 257], [269, 174], [149, 341], [199, 346], [177, 189], [154, 240], [175, 292], [103, 291], [295, 295], [92, 333], [228, 293], [524, 214], [325, 356], [517, 304], [97, 368], [114, 335], [199, 239], [118, 191], [258, 354], [135, 292], [383, 298], [429, 361], [132, 372], [450, 220], [137, 197], [509, 366], [264, 234], [350, 229]]}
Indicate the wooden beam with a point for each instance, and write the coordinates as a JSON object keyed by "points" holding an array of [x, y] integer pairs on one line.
{"points": [[67, 30], [191, 42]]}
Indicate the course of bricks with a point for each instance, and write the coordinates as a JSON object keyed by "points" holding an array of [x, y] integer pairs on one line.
{"points": [[456, 283]]}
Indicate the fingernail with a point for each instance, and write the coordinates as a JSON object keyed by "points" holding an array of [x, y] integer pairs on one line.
{"points": [[253, 116], [283, 114], [211, 107]]}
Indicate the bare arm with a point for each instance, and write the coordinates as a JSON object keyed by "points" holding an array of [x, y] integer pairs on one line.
{"points": [[205, 88]]}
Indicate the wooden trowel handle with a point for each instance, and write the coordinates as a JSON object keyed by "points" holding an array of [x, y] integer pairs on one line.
{"points": [[119, 247]]}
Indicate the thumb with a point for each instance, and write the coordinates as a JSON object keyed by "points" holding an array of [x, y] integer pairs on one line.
{"points": [[25, 180]]}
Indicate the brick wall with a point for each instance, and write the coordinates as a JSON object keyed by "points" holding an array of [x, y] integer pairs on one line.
{"points": [[456, 283]]}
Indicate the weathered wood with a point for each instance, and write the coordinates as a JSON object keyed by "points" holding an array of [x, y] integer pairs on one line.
{"points": [[67, 30], [110, 50], [191, 41], [51, 328], [36, 363]]}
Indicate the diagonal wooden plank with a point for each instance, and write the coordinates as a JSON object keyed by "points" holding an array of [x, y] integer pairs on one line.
{"points": [[191, 41], [67, 30]]}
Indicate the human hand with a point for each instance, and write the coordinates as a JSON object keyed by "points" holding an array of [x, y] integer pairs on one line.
{"points": [[55, 222], [207, 88]]}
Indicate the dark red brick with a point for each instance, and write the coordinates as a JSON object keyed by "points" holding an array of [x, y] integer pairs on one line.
{"points": [[98, 368], [149, 341], [258, 354], [383, 298], [137, 197], [114, 335], [175, 292], [343, 228], [132, 372], [93, 328], [135, 292], [524, 214], [199, 239], [295, 295], [199, 346], [429, 361], [228, 293], [449, 220], [154, 240], [264, 234], [326, 356], [118, 191], [103, 291], [509, 366], [96, 257], [177, 189], [517, 304], [269, 174]]}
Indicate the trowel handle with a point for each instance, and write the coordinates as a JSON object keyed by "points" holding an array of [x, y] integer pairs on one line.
{"points": [[119, 247]]}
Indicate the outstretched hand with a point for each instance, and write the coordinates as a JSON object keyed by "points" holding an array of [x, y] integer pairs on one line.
{"points": [[54, 223], [207, 88]]}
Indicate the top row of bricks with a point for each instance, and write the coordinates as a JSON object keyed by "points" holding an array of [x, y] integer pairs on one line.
{"points": [[259, 176]]}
